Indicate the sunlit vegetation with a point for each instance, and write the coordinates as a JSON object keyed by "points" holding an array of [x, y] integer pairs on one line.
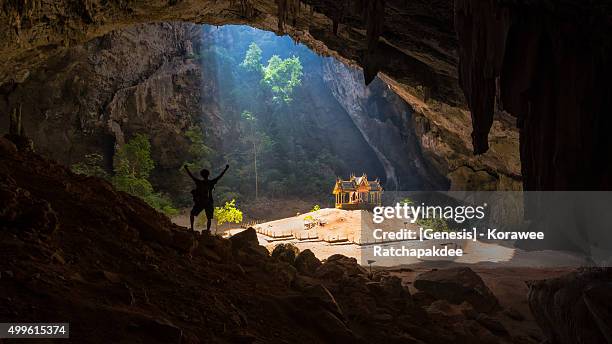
{"points": [[227, 213], [280, 75], [270, 153]]}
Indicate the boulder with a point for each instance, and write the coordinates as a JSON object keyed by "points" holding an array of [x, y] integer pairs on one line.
{"points": [[244, 238], [323, 296], [457, 285], [282, 271], [7, 147], [213, 247], [338, 266], [184, 241], [442, 311], [492, 324], [285, 253], [392, 288], [306, 262]]}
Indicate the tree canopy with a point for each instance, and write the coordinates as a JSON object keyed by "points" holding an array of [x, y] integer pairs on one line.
{"points": [[280, 75], [252, 59]]}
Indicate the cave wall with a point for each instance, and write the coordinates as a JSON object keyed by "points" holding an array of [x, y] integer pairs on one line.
{"points": [[92, 97]]}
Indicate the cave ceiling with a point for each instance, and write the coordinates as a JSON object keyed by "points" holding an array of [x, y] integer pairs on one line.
{"points": [[443, 57]]}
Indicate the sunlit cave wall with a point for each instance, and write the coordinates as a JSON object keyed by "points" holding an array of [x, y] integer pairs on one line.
{"points": [[387, 124], [164, 79]]}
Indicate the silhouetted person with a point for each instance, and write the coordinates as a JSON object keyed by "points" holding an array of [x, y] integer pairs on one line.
{"points": [[202, 195]]}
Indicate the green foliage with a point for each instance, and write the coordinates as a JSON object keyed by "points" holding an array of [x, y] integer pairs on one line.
{"points": [[227, 213], [315, 208], [161, 203], [282, 76], [252, 59], [132, 165], [247, 116], [199, 152], [90, 166], [134, 158]]}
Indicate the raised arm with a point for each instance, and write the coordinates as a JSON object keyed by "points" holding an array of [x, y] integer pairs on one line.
{"points": [[189, 172], [221, 175]]}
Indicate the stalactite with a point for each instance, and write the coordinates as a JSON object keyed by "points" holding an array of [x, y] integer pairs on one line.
{"points": [[338, 14], [245, 7], [287, 9], [375, 16], [281, 14], [15, 123], [479, 68], [17, 132]]}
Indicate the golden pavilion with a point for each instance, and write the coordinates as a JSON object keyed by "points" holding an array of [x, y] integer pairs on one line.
{"points": [[357, 193]]}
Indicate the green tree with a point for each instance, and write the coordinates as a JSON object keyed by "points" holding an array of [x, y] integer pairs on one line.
{"points": [[90, 166], [132, 166], [227, 213], [199, 152], [282, 76], [134, 158], [252, 59], [256, 140]]}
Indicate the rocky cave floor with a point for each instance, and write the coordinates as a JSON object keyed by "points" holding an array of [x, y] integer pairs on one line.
{"points": [[72, 249]]}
